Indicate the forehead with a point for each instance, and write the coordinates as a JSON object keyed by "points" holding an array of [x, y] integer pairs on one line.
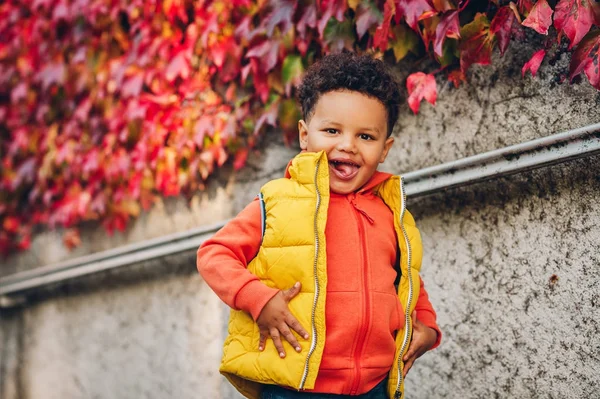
{"points": [[350, 107]]}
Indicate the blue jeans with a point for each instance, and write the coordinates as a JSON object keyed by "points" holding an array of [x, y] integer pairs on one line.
{"points": [[276, 392]]}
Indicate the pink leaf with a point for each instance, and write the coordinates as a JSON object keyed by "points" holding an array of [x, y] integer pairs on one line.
{"points": [[281, 15], [587, 58], [413, 11], [308, 19], [420, 85], [540, 17], [366, 17], [574, 18], [534, 63], [179, 66], [447, 27]]}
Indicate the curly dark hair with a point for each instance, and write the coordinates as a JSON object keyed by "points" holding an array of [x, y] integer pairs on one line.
{"points": [[350, 71]]}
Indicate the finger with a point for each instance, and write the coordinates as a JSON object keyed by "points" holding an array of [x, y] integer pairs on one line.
{"points": [[414, 317], [407, 366], [410, 352], [287, 334], [262, 340], [291, 292], [277, 341], [296, 326]]}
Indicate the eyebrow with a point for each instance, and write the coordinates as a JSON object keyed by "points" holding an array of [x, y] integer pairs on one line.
{"points": [[362, 129]]}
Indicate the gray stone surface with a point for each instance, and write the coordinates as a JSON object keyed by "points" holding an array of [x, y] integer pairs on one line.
{"points": [[513, 269], [491, 250]]}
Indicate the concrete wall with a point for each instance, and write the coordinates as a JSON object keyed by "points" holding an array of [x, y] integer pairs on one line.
{"points": [[510, 328]]}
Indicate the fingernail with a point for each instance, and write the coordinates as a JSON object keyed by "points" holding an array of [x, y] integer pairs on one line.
{"points": [[297, 284], [305, 336], [281, 354], [298, 349], [260, 348]]}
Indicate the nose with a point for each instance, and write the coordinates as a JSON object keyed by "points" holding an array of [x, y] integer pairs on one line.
{"points": [[346, 143]]}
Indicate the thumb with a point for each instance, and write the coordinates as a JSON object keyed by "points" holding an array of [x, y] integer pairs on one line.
{"points": [[290, 293], [414, 317]]}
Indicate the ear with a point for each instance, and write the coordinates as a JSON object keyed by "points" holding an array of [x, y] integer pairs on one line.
{"points": [[386, 148], [303, 134]]}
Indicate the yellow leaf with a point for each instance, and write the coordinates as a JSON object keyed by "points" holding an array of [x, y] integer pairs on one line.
{"points": [[353, 4], [130, 207], [405, 41]]}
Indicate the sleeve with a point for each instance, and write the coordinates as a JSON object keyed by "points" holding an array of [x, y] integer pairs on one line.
{"points": [[426, 314], [222, 261]]}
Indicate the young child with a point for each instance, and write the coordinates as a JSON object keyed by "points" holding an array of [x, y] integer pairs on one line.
{"points": [[322, 269]]}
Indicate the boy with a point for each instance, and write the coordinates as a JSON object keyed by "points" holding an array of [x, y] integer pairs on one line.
{"points": [[310, 267]]}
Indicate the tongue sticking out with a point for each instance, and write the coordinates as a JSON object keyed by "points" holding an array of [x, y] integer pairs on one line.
{"points": [[345, 169]]}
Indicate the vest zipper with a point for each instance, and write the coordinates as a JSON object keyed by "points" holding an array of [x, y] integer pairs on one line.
{"points": [[313, 344], [407, 319]]}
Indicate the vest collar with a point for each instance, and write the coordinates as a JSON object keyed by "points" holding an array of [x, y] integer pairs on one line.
{"points": [[302, 169]]}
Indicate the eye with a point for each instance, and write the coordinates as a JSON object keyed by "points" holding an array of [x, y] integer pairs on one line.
{"points": [[365, 136], [331, 130]]}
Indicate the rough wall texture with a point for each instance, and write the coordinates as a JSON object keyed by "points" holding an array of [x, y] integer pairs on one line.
{"points": [[491, 251]]}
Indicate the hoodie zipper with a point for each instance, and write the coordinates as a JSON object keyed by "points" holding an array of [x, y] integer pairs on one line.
{"points": [[367, 306], [313, 344], [407, 320]]}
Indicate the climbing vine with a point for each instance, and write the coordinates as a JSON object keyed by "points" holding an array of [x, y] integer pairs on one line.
{"points": [[106, 104]]}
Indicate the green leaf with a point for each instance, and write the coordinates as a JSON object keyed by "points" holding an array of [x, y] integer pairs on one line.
{"points": [[449, 50], [405, 40], [292, 68], [339, 35]]}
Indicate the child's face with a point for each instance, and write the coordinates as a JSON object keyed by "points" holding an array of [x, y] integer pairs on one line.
{"points": [[352, 129]]}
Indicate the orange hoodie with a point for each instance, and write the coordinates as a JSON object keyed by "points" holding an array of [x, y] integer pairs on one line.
{"points": [[362, 310]]}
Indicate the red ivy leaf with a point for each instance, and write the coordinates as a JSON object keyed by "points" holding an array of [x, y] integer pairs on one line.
{"points": [[525, 6], [179, 66], [330, 8], [71, 238], [447, 27], [11, 224], [457, 77], [534, 63], [413, 11], [420, 85], [380, 40], [269, 117], [267, 53], [282, 16], [587, 58], [240, 158], [574, 18], [308, 19], [501, 26], [540, 17]]}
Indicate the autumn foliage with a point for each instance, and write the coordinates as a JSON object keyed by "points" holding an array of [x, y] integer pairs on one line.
{"points": [[105, 104]]}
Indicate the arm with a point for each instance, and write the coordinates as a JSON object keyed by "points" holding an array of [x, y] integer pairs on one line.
{"points": [[426, 333], [426, 314], [223, 259]]}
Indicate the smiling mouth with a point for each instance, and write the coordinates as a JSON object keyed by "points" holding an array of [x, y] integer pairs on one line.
{"points": [[344, 170]]}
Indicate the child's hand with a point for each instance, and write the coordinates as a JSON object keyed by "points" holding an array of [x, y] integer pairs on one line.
{"points": [[275, 319], [422, 340]]}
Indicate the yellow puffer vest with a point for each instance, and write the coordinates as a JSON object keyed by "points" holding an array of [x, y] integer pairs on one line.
{"points": [[293, 249]]}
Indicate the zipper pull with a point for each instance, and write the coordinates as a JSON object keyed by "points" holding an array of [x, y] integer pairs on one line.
{"points": [[365, 214]]}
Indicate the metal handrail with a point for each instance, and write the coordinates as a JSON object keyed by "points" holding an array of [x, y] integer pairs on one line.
{"points": [[572, 144]]}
